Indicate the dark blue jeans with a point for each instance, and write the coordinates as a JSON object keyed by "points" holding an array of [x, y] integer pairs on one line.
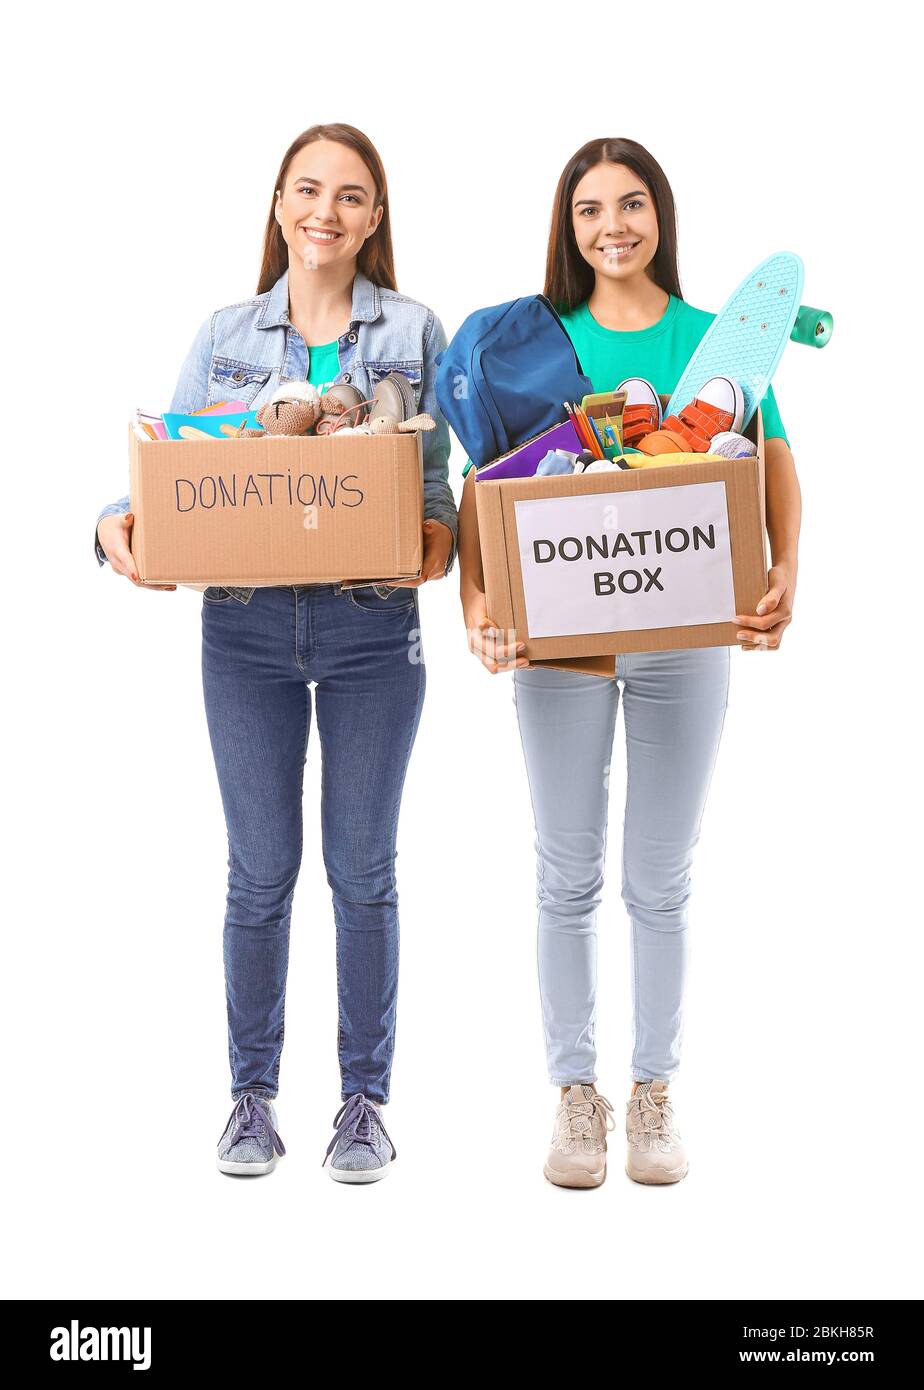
{"points": [[363, 655]]}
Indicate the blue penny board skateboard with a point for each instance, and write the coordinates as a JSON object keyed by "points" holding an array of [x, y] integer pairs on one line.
{"points": [[746, 339]]}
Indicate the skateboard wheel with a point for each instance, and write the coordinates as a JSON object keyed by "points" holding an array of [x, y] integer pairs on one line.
{"points": [[813, 327]]}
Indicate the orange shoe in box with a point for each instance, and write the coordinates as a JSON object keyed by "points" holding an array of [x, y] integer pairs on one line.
{"points": [[718, 409], [641, 413]]}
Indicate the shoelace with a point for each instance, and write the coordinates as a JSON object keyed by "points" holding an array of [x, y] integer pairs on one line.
{"points": [[252, 1122], [404, 391], [606, 1109], [654, 1114], [340, 422], [355, 1120]]}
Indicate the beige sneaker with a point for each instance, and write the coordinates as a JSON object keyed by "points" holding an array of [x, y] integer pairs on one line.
{"points": [[656, 1154], [577, 1157]]}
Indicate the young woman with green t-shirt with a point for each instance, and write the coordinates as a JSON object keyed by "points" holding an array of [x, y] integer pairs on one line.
{"points": [[612, 273]]}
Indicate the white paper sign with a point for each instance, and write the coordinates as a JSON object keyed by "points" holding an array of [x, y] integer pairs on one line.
{"points": [[618, 561]]}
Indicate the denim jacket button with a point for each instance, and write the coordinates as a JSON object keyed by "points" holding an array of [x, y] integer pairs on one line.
{"points": [[351, 337], [238, 376], [347, 377]]}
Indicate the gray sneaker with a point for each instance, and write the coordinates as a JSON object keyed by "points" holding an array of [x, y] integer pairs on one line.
{"points": [[577, 1155], [655, 1152], [393, 399], [360, 1150], [250, 1142]]}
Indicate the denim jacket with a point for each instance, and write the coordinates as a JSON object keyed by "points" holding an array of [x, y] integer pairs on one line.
{"points": [[244, 352]]}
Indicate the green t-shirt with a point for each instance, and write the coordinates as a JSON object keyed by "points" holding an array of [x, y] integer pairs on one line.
{"points": [[659, 353], [324, 364]]}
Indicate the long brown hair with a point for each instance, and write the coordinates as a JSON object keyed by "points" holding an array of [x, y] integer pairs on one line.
{"points": [[376, 259], [568, 278]]}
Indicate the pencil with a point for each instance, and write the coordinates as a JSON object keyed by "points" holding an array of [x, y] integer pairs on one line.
{"points": [[596, 429], [582, 427], [615, 428], [592, 435], [578, 427]]}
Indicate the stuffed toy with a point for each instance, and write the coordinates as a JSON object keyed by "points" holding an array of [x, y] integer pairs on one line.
{"points": [[296, 408], [281, 419], [384, 424], [293, 409]]}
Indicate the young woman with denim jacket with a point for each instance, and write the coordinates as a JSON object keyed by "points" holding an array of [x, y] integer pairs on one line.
{"points": [[624, 312], [326, 310]]}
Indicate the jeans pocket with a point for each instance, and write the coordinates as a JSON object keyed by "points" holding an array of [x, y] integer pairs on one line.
{"points": [[215, 594], [381, 598]]}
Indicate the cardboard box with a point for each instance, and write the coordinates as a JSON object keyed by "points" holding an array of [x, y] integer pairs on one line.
{"points": [[643, 559], [277, 511]]}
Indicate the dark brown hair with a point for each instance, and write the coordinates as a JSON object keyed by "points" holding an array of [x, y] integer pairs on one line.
{"points": [[376, 259], [568, 278]]}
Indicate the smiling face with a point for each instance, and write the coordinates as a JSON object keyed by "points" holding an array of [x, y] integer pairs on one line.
{"points": [[327, 209], [615, 222]]}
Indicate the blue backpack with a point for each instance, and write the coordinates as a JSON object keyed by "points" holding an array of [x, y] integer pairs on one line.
{"points": [[504, 376]]}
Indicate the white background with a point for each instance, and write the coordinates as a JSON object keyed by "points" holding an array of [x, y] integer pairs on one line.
{"points": [[144, 147]]}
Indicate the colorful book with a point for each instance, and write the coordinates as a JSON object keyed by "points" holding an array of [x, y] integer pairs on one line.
{"points": [[150, 425], [222, 408], [210, 424], [523, 461]]}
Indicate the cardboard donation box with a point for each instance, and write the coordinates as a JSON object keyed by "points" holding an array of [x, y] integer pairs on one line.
{"points": [[642, 559], [257, 511]]}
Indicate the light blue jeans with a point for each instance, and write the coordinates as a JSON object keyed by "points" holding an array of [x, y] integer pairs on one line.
{"points": [[674, 710]]}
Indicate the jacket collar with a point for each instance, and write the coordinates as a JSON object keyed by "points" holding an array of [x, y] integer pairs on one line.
{"points": [[367, 304]]}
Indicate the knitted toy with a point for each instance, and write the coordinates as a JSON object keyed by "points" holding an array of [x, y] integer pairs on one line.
{"points": [[295, 409], [285, 418], [386, 425]]}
